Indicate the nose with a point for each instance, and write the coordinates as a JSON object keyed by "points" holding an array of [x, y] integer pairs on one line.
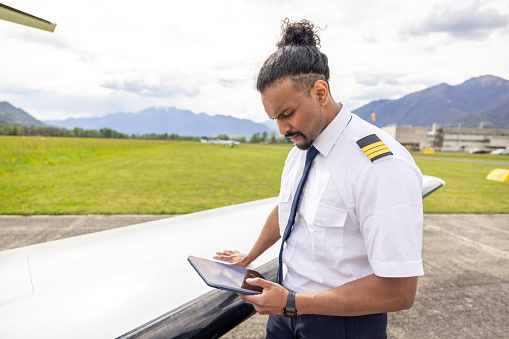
{"points": [[283, 126]]}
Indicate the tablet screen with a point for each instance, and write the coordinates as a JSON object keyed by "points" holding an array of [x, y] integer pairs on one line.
{"points": [[224, 276]]}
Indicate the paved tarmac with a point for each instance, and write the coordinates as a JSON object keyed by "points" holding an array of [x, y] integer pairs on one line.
{"points": [[18, 231], [463, 294]]}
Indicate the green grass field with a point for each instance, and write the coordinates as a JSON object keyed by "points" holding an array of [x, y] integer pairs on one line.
{"points": [[116, 176], [466, 189]]}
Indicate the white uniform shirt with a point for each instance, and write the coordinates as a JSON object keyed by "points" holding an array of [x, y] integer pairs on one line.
{"points": [[356, 217]]}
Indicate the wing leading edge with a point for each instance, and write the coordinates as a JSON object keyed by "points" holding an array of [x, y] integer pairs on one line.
{"points": [[430, 184]]}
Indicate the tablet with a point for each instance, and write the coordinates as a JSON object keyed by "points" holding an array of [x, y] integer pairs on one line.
{"points": [[224, 276]]}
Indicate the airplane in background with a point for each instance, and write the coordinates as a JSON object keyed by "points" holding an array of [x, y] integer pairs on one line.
{"points": [[135, 281], [13, 15], [230, 143]]}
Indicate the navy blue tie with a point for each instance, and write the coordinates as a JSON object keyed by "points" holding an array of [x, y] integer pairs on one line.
{"points": [[310, 155]]}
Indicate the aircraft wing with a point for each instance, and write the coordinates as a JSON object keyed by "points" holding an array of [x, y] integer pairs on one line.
{"points": [[105, 284], [135, 281], [430, 184], [13, 15]]}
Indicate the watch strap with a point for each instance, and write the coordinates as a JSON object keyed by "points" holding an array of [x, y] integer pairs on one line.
{"points": [[290, 311]]}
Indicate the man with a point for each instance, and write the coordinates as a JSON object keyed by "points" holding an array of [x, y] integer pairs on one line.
{"points": [[352, 245]]}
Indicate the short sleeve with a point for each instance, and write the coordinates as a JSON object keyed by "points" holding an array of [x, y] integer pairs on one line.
{"points": [[389, 210]]}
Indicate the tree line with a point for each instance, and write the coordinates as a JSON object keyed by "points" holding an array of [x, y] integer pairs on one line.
{"points": [[108, 133], [264, 137]]}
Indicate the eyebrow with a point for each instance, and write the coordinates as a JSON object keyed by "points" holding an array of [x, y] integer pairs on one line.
{"points": [[281, 113]]}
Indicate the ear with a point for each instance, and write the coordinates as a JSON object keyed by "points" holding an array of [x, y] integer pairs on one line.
{"points": [[320, 91]]}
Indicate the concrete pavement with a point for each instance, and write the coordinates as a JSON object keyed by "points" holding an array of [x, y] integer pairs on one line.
{"points": [[464, 293], [18, 231]]}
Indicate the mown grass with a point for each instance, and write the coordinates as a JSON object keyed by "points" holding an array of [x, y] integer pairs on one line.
{"points": [[108, 176], [466, 189]]}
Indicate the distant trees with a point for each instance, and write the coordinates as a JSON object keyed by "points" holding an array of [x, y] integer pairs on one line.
{"points": [[273, 136], [256, 138], [51, 131], [108, 133], [264, 137], [78, 132], [7, 129], [165, 136]]}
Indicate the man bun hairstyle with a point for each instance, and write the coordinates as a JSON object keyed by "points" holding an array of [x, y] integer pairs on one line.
{"points": [[297, 57]]}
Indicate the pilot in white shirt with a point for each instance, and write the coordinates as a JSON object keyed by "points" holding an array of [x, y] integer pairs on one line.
{"points": [[354, 251], [356, 216]]}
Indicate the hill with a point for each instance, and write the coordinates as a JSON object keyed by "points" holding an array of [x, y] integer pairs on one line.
{"points": [[169, 120], [478, 101], [16, 116]]}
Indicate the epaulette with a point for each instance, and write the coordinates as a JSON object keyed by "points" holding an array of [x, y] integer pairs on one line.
{"points": [[373, 147]]}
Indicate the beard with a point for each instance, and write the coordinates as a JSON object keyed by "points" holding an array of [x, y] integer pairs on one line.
{"points": [[315, 124], [303, 144]]}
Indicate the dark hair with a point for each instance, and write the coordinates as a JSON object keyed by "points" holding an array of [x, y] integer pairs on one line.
{"points": [[298, 57]]}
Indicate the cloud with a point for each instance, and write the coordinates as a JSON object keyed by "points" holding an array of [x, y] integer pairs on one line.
{"points": [[151, 85], [41, 38], [374, 79], [235, 83], [471, 22], [22, 90], [61, 43]]}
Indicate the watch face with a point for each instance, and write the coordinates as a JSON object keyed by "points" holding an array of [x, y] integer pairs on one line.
{"points": [[290, 314]]}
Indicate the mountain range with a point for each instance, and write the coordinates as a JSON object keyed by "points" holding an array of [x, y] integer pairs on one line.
{"points": [[480, 101], [16, 116], [171, 120]]}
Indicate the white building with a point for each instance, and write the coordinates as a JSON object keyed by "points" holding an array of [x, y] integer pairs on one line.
{"points": [[455, 139], [414, 138]]}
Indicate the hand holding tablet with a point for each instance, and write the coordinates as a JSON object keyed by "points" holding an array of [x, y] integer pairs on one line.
{"points": [[224, 276]]}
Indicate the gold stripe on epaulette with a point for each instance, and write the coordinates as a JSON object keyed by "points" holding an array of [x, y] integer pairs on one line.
{"points": [[379, 152], [373, 147]]}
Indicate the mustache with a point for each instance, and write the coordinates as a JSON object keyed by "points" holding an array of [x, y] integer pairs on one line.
{"points": [[291, 134]]}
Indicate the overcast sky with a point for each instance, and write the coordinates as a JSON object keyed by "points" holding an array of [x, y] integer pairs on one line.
{"points": [[113, 56]]}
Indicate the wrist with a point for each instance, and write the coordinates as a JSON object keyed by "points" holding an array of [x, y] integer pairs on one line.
{"points": [[248, 259], [290, 310]]}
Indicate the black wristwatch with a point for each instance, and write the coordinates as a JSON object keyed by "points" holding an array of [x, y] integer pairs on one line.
{"points": [[290, 311]]}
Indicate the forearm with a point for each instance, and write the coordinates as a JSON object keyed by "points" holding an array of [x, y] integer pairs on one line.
{"points": [[268, 236], [368, 295]]}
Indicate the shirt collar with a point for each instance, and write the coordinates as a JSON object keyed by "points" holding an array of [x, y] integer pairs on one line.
{"points": [[331, 133]]}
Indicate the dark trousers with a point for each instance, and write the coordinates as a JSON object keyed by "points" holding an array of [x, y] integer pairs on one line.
{"points": [[311, 326]]}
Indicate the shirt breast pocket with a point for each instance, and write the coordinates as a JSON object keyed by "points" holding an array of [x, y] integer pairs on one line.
{"points": [[284, 206], [327, 232]]}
